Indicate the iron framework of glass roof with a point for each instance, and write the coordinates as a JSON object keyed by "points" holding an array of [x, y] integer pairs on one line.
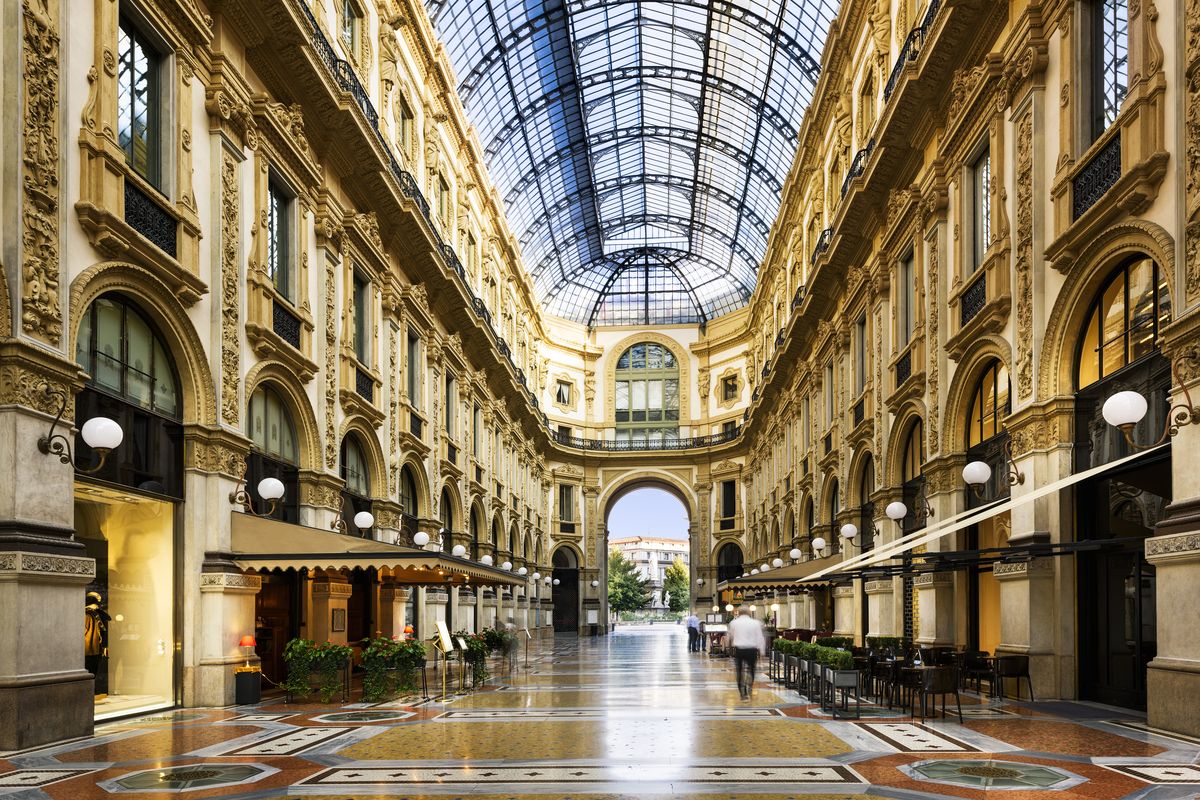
{"points": [[640, 146]]}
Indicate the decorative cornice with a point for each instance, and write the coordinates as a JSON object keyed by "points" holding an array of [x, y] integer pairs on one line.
{"points": [[23, 565]]}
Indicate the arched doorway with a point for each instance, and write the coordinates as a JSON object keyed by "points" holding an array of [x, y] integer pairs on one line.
{"points": [[730, 562], [647, 520], [565, 589]]}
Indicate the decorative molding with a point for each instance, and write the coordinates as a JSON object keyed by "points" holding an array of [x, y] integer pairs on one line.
{"points": [[331, 315], [933, 346], [21, 562], [1024, 257], [41, 305], [231, 582], [231, 290], [1174, 547]]}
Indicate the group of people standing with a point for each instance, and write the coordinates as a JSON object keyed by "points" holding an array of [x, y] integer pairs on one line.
{"points": [[747, 640]]}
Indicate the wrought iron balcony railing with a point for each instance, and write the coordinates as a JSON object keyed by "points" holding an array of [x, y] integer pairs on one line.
{"points": [[615, 446]]}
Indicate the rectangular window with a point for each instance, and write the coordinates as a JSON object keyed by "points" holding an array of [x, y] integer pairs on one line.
{"points": [[362, 320], [139, 99], [729, 389], [729, 427], [351, 26], [805, 423], [279, 239], [566, 431], [860, 355], [451, 401], [566, 502], [562, 393], [981, 202], [907, 297], [477, 431], [1110, 62], [829, 409], [413, 369], [443, 202], [408, 124], [728, 499]]}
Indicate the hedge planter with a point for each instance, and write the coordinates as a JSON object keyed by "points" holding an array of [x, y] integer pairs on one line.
{"points": [[390, 667], [322, 669]]}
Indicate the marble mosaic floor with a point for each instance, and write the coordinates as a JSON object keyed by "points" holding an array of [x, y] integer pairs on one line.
{"points": [[632, 715]]}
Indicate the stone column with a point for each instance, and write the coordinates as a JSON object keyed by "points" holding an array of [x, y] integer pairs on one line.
{"points": [[880, 601], [935, 592], [467, 611], [1173, 677], [1027, 626], [331, 593], [45, 692], [453, 600], [393, 607], [226, 614], [487, 608], [843, 610], [435, 609]]}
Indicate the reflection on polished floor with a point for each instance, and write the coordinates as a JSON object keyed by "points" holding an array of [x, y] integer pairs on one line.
{"points": [[629, 715]]}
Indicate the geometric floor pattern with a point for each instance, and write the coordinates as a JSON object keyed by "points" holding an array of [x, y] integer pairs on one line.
{"points": [[632, 715]]}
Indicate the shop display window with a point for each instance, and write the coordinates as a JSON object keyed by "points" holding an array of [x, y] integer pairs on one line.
{"points": [[128, 617]]}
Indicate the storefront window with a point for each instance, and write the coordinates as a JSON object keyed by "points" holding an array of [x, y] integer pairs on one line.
{"points": [[356, 496], [129, 609], [1125, 321]]}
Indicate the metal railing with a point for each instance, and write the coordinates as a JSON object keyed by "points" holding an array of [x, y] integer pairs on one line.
{"points": [[823, 242], [858, 165], [615, 446], [1096, 178]]}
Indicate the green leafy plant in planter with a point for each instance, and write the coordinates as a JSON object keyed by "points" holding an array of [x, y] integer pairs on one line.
{"points": [[305, 658], [409, 658], [379, 659], [475, 655], [493, 638], [834, 641]]}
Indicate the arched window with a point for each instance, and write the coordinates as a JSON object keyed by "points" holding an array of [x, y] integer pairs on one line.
{"points": [[647, 394], [447, 509], [356, 494], [408, 492], [866, 508], [913, 460], [132, 381], [1125, 320], [354, 468], [496, 534], [729, 562], [475, 528], [119, 350], [271, 428], [990, 404], [274, 452]]}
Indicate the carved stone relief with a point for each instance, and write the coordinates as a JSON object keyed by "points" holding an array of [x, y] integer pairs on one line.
{"points": [[1024, 256], [231, 294]]}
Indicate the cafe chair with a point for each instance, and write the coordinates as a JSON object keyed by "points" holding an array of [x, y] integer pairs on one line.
{"points": [[933, 682], [1016, 667], [977, 667]]}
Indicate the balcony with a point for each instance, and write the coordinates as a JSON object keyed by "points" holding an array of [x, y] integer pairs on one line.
{"points": [[823, 242], [416, 425], [972, 300], [903, 368], [636, 445], [911, 50], [1095, 179], [148, 217], [285, 324], [858, 166], [364, 385]]}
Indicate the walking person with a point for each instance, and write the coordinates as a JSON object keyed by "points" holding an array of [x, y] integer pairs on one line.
{"points": [[693, 630], [747, 640], [703, 637]]}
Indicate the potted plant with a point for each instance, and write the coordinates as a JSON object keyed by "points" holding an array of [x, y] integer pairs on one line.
{"points": [[327, 661]]}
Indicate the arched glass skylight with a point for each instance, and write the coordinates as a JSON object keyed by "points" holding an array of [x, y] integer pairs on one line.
{"points": [[640, 146]]}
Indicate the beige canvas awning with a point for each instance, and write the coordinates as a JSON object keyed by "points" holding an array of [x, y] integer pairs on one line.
{"points": [[261, 543], [783, 578]]}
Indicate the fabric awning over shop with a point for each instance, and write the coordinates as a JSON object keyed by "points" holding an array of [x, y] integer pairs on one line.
{"points": [[260, 543], [900, 546], [782, 578]]}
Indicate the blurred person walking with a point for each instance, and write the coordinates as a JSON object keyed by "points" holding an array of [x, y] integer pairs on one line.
{"points": [[747, 640]]}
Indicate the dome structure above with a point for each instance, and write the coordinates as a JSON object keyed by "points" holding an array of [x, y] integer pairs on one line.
{"points": [[640, 146]]}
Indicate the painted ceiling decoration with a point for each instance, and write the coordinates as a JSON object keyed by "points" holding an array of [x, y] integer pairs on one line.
{"points": [[640, 146]]}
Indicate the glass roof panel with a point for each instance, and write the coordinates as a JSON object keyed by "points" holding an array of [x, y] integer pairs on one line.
{"points": [[640, 146]]}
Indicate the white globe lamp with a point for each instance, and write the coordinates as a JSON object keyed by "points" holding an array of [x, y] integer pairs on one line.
{"points": [[777, 562], [420, 538], [364, 520], [537, 576], [896, 511], [102, 433], [507, 565], [849, 530], [458, 550], [270, 488], [977, 474], [763, 567], [522, 571], [1125, 409], [795, 554], [487, 560], [818, 544]]}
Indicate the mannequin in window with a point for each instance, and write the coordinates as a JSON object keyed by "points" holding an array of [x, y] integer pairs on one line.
{"points": [[95, 640]]}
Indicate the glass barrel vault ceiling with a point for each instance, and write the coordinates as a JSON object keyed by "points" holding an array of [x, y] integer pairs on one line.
{"points": [[640, 146]]}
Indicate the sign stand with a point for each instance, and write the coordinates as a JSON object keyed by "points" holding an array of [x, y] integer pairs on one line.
{"points": [[527, 638], [444, 646]]}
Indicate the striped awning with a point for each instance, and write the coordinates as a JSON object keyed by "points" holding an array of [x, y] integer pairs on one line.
{"points": [[268, 544]]}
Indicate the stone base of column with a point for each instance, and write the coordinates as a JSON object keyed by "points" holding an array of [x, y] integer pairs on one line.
{"points": [[35, 711], [1172, 686]]}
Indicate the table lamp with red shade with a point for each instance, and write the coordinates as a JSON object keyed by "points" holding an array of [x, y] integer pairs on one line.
{"points": [[247, 644]]}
